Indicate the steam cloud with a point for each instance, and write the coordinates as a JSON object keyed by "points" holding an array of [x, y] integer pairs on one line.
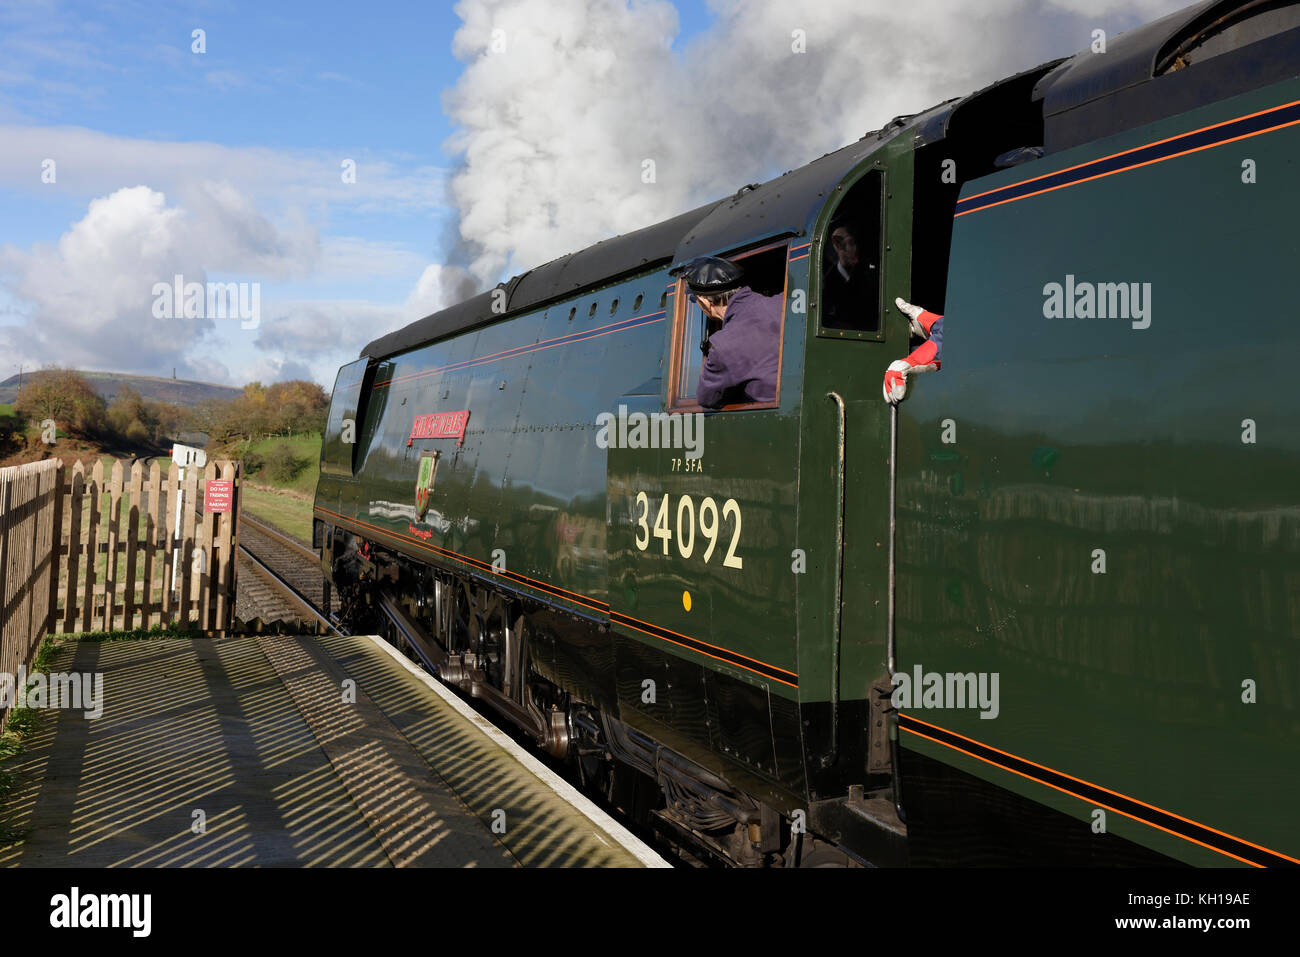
{"points": [[562, 102]]}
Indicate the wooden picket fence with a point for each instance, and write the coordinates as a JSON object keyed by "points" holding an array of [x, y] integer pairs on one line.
{"points": [[130, 522], [30, 513], [110, 564]]}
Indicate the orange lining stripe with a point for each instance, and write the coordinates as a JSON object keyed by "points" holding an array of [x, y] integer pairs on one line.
{"points": [[1082, 798], [594, 335], [524, 350], [1125, 169], [795, 259], [577, 596], [447, 552], [1231, 837], [1162, 159], [710, 644], [1167, 139], [734, 664]]}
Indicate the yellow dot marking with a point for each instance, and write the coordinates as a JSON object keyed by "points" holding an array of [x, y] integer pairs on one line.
{"points": [[686, 600]]}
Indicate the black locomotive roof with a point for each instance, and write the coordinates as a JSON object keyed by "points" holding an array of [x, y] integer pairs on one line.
{"points": [[1129, 59], [781, 206], [1209, 51], [605, 260]]}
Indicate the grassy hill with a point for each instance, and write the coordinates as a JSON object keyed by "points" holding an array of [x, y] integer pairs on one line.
{"points": [[282, 499], [305, 449], [182, 392]]}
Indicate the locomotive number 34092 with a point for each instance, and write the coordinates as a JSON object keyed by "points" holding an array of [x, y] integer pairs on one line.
{"points": [[710, 526]]}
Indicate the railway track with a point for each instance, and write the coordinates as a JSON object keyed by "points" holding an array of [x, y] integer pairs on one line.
{"points": [[280, 577]]}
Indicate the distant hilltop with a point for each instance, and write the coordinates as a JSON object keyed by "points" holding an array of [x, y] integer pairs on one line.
{"points": [[179, 391]]}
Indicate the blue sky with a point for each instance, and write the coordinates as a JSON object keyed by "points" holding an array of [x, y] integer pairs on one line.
{"points": [[224, 165], [326, 80]]}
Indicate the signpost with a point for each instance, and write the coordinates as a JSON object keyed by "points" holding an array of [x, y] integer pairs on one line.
{"points": [[183, 456]]}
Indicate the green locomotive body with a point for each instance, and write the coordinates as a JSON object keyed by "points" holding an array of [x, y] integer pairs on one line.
{"points": [[1096, 547]]}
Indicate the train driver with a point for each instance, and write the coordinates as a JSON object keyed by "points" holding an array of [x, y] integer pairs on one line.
{"points": [[741, 359], [924, 358]]}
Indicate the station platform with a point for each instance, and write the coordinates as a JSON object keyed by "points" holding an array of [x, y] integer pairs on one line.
{"points": [[261, 752]]}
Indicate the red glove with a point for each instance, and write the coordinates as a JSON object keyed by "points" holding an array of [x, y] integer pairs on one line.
{"points": [[922, 359]]}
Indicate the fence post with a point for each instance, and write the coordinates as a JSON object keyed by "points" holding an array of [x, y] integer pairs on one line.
{"points": [[114, 524], [28, 560], [8, 563], [134, 488], [204, 541], [28, 483], [169, 540], [154, 519], [94, 489], [76, 504], [228, 543], [56, 548]]}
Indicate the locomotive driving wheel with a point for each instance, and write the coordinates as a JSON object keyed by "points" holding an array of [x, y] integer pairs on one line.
{"points": [[486, 620]]}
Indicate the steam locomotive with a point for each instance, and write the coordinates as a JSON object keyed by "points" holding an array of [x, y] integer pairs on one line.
{"points": [[1043, 611]]}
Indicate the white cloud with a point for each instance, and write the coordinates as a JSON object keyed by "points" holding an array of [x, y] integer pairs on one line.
{"points": [[335, 328], [92, 163], [90, 295], [269, 370], [554, 128], [229, 214]]}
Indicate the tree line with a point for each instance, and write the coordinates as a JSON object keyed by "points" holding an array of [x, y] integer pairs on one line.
{"points": [[284, 408], [68, 398]]}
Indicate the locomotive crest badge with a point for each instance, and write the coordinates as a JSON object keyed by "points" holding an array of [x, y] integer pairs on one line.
{"points": [[424, 483]]}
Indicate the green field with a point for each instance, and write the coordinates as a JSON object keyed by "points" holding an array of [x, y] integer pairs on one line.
{"points": [[305, 448], [288, 507], [288, 512]]}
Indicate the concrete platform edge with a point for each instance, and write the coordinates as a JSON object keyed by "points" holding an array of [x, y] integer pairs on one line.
{"points": [[563, 788]]}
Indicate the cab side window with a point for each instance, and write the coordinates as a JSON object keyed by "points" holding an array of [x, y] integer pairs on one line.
{"points": [[850, 264], [765, 274]]}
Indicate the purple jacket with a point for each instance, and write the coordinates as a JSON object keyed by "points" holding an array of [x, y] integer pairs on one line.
{"points": [[744, 354]]}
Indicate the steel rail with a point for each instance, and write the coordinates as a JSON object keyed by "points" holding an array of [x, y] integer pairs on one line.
{"points": [[290, 593], [302, 550]]}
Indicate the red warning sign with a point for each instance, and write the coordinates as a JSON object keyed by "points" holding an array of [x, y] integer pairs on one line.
{"points": [[218, 495]]}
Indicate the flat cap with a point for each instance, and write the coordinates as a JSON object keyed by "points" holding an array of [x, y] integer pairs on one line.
{"points": [[710, 275]]}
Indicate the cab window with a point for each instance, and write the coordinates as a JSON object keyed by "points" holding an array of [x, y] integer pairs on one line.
{"points": [[849, 298], [339, 443], [765, 274]]}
